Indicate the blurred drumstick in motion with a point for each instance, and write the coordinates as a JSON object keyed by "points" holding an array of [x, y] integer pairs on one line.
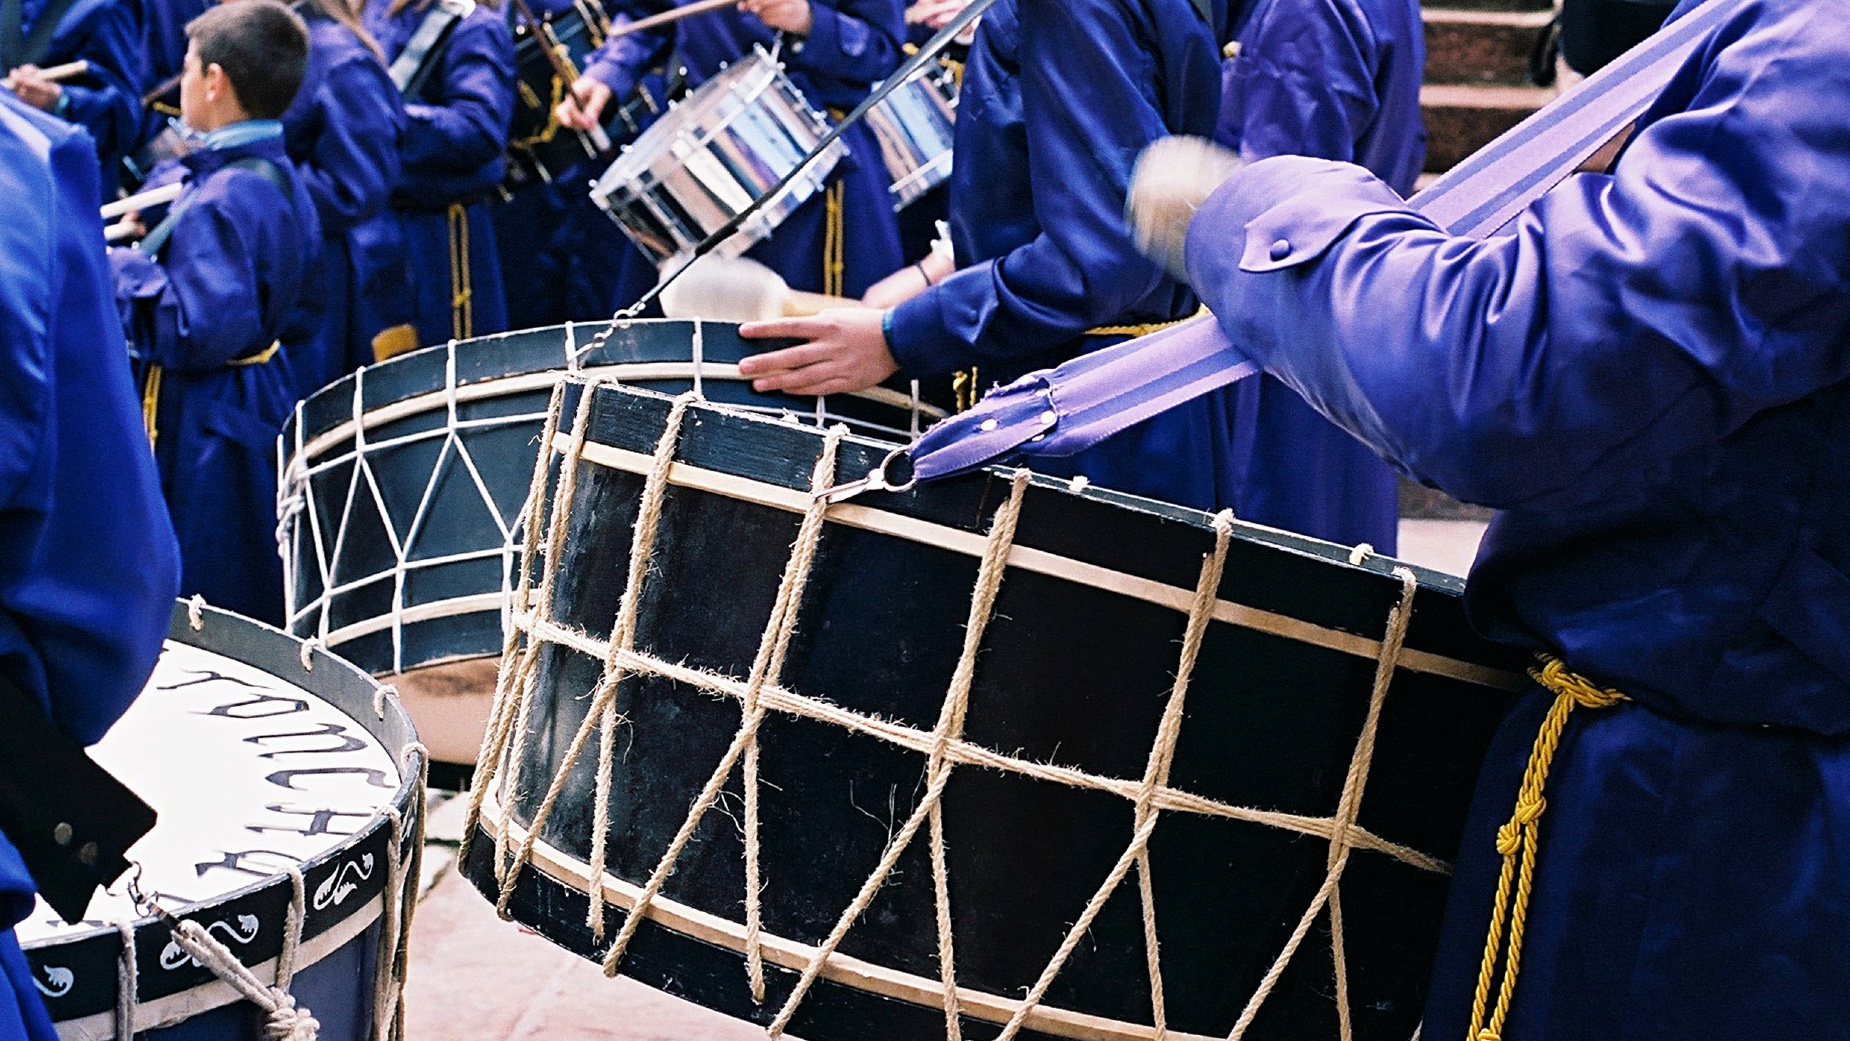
{"points": [[143, 200], [549, 45], [698, 7], [738, 289], [52, 73]]}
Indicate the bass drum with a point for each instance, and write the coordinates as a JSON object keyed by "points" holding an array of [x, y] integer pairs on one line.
{"points": [[404, 485], [1000, 754], [268, 763]]}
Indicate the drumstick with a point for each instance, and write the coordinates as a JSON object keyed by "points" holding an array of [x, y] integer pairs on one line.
{"points": [[142, 200], [122, 231], [698, 7], [739, 289], [542, 35], [55, 73]]}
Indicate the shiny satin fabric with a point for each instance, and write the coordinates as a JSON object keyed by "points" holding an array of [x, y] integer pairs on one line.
{"points": [[1647, 375], [90, 567]]}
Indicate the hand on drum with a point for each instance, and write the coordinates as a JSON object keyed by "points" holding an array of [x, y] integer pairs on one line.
{"points": [[792, 16], [583, 105], [846, 352]]}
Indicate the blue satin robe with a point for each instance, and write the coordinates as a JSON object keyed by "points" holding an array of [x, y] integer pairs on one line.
{"points": [[1335, 79], [342, 134], [225, 287], [1059, 98], [104, 100], [452, 156], [1648, 376], [852, 44], [88, 567]]}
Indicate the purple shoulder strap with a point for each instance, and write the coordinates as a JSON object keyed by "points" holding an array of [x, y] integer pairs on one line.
{"points": [[1062, 411]]}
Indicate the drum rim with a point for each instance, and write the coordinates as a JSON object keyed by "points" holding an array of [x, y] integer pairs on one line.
{"points": [[348, 689]]}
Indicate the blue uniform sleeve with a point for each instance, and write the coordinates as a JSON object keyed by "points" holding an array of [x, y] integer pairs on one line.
{"points": [[855, 40], [466, 125], [622, 60], [104, 100], [1302, 82], [1625, 317], [1090, 105], [203, 301], [350, 174]]}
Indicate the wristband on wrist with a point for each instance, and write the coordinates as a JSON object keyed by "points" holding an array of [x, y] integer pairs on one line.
{"points": [[920, 264], [886, 327]]}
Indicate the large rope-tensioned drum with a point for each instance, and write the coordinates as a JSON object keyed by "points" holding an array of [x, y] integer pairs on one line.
{"points": [[403, 485], [290, 791], [998, 755]]}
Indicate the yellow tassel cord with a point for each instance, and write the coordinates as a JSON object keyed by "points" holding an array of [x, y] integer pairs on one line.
{"points": [[1518, 841], [964, 385], [260, 358], [462, 311], [151, 402], [1143, 329], [834, 258]]}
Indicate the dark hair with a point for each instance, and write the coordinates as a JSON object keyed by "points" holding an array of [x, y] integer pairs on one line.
{"points": [[339, 11], [263, 48]]}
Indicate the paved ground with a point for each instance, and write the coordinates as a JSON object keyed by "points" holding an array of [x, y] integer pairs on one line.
{"points": [[477, 978]]}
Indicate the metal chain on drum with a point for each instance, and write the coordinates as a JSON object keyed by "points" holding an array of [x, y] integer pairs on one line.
{"points": [[943, 747]]}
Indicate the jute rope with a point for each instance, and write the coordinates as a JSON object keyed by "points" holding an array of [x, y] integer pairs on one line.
{"points": [[943, 747], [1341, 838]]}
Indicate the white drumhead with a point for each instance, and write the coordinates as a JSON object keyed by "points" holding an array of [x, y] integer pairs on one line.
{"points": [[250, 774]]}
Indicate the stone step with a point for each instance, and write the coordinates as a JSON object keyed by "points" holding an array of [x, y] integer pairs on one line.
{"points": [[1462, 118], [1480, 46]]}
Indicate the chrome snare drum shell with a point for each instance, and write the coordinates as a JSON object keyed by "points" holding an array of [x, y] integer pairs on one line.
{"points": [[916, 125], [710, 157]]}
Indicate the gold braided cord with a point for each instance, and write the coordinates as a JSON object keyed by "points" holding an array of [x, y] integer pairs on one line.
{"points": [[1518, 842], [834, 236], [462, 306], [1142, 328], [151, 403]]}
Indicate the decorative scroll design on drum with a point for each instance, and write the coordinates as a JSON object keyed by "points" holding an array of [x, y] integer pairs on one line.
{"points": [[561, 678], [57, 980], [343, 883], [242, 933]]}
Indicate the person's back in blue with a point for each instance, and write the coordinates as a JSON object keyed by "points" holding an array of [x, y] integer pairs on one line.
{"points": [[208, 298], [105, 36], [88, 567]]}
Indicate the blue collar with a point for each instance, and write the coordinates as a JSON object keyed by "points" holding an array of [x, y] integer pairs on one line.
{"points": [[250, 131]]}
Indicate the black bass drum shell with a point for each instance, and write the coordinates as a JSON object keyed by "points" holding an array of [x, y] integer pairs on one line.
{"points": [[1075, 669], [402, 487]]}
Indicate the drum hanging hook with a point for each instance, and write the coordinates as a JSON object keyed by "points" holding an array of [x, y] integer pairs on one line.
{"points": [[894, 474]]}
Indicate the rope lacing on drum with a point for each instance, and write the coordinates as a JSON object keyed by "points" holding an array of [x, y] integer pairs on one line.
{"points": [[943, 747], [1518, 842]]}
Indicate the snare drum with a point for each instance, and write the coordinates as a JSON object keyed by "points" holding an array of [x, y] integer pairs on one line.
{"points": [[539, 149], [708, 158], [263, 771], [1033, 755], [404, 485], [916, 125]]}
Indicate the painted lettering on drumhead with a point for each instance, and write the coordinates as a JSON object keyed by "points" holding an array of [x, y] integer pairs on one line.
{"points": [[319, 822], [344, 741], [239, 860], [375, 778]]}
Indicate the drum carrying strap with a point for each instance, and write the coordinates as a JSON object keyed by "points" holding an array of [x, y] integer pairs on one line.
{"points": [[1065, 410], [414, 64]]}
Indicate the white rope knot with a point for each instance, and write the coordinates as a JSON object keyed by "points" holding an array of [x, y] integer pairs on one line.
{"points": [[195, 612], [308, 650], [286, 1022], [1360, 553]]}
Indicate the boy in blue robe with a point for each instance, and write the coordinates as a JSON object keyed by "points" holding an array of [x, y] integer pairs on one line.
{"points": [[88, 567], [451, 157], [845, 237], [342, 132], [104, 34], [1648, 375], [1058, 98], [207, 298], [1335, 79]]}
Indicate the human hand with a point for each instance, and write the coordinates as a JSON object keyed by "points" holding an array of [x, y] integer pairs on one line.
{"points": [[932, 14], [583, 104], [1171, 180], [846, 351], [792, 16], [32, 88]]}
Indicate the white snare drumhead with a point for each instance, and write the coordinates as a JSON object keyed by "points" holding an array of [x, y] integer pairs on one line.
{"points": [[249, 773]]}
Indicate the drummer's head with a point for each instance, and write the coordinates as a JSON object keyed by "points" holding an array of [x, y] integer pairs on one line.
{"points": [[243, 61]]}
